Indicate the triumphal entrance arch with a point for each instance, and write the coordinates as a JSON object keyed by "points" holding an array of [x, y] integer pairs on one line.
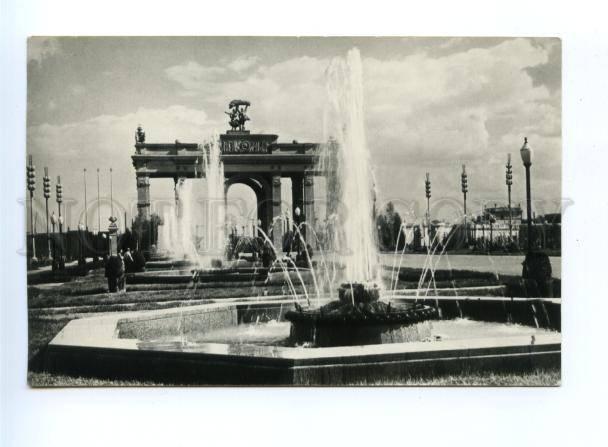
{"points": [[257, 160]]}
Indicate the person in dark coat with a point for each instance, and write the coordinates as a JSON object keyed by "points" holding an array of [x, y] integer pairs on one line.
{"points": [[115, 272]]}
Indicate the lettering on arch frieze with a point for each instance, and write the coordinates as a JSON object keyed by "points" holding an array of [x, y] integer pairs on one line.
{"points": [[244, 146]]}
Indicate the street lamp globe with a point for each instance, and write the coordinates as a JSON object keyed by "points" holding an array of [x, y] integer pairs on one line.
{"points": [[53, 218], [526, 153], [298, 211]]}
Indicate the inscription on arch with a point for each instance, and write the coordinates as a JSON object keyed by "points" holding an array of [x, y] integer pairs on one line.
{"points": [[244, 146]]}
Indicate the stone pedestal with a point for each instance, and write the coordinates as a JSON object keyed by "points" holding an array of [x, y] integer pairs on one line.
{"points": [[113, 237]]}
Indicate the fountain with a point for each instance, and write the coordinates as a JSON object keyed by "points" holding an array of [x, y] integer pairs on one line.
{"points": [[358, 316]]}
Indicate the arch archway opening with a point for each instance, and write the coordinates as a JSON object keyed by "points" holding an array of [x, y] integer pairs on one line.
{"points": [[242, 209]]}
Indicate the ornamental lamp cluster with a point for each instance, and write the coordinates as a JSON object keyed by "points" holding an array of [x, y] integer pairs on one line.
{"points": [[46, 184], [526, 153], [464, 180], [31, 177], [59, 193]]}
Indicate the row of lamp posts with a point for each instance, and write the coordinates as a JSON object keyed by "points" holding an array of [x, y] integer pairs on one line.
{"points": [[526, 156], [56, 249]]}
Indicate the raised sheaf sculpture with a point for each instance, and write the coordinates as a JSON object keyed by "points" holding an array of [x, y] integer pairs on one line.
{"points": [[238, 114]]}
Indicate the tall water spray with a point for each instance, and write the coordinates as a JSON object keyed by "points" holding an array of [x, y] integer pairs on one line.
{"points": [[216, 201], [166, 238], [185, 221], [356, 186]]}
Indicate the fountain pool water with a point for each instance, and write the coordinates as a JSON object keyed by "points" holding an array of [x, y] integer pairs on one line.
{"points": [[278, 333]]}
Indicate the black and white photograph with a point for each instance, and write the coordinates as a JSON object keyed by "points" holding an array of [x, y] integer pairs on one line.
{"points": [[284, 211], [303, 223]]}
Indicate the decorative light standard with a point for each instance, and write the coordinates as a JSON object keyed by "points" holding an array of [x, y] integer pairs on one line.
{"points": [[98, 206], [509, 182], [59, 199], [31, 186], [526, 157], [297, 212], [465, 189], [296, 224], [427, 187], [55, 265], [81, 258], [46, 183], [537, 265], [84, 178], [111, 197]]}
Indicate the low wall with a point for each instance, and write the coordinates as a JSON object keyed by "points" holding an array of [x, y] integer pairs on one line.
{"points": [[535, 312], [148, 328], [179, 368]]}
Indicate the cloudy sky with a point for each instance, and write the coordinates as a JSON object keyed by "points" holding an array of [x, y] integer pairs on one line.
{"points": [[431, 104]]}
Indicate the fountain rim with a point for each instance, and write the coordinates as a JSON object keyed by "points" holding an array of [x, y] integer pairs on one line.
{"points": [[74, 336]]}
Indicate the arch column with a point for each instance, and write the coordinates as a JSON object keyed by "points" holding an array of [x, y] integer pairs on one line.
{"points": [[265, 207], [143, 197], [309, 199], [275, 224]]}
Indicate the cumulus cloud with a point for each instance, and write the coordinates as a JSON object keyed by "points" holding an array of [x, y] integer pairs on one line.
{"points": [[192, 75], [243, 63], [107, 141]]}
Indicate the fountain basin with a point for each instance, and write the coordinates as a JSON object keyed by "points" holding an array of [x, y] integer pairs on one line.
{"points": [[151, 345], [357, 318]]}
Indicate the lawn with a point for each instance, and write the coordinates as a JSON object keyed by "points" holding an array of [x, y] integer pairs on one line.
{"points": [[533, 378]]}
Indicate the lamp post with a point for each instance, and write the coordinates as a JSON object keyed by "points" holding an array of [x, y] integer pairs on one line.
{"points": [[84, 179], [297, 218], [46, 183], [526, 157], [54, 264], [31, 186], [509, 182], [427, 187], [98, 206], [59, 199], [81, 258], [465, 189], [111, 196], [537, 265]]}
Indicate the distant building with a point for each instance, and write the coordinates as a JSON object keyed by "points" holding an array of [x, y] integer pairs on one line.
{"points": [[493, 223]]}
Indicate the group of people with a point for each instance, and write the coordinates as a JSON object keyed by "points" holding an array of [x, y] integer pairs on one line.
{"points": [[118, 266]]}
